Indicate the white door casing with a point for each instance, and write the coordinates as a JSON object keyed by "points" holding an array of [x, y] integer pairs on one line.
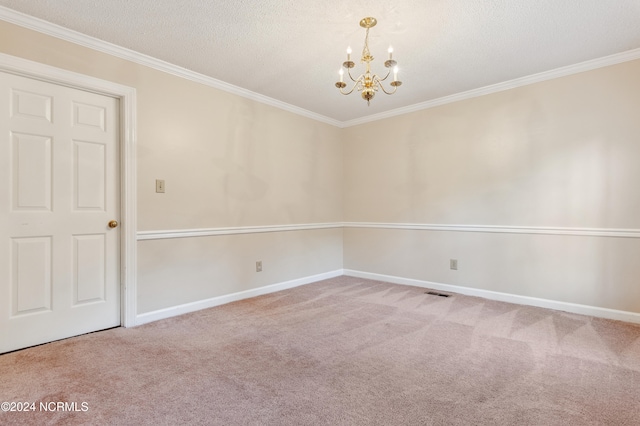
{"points": [[60, 272]]}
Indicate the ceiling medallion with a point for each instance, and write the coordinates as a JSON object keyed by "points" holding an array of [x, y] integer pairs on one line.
{"points": [[367, 83]]}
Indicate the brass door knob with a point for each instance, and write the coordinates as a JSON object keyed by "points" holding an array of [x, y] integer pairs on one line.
{"points": [[113, 224]]}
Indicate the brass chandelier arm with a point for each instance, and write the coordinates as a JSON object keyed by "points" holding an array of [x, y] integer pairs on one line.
{"points": [[350, 91], [355, 80], [385, 90], [378, 83], [385, 77]]}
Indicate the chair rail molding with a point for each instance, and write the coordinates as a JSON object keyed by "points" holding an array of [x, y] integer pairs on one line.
{"points": [[508, 229]]}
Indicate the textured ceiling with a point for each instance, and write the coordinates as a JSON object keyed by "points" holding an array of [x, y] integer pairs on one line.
{"points": [[291, 50]]}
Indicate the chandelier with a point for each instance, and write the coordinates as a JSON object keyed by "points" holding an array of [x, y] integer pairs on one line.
{"points": [[367, 83]]}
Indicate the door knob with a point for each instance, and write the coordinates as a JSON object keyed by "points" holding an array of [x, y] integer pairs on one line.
{"points": [[113, 224]]}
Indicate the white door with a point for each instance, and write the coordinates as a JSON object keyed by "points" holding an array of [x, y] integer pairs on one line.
{"points": [[59, 189]]}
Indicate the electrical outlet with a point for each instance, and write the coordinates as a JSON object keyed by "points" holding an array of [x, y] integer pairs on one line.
{"points": [[160, 186], [259, 266], [453, 264]]}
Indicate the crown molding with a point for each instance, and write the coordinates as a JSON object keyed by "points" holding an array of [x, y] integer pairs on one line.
{"points": [[48, 28], [629, 55], [45, 27]]}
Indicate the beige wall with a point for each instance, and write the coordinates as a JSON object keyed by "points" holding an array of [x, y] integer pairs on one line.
{"points": [[227, 161], [206, 267], [558, 153], [562, 153]]}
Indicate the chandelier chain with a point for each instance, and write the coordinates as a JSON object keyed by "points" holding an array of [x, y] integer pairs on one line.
{"points": [[366, 54]]}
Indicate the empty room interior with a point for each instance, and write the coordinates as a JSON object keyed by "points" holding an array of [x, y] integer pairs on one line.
{"points": [[272, 212]]}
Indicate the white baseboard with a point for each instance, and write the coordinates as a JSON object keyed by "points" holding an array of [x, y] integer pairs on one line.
{"points": [[233, 297], [575, 308]]}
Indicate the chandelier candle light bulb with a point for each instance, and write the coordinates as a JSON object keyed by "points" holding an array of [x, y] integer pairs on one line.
{"points": [[368, 83]]}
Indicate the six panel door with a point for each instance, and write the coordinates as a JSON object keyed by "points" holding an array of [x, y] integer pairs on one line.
{"points": [[59, 189]]}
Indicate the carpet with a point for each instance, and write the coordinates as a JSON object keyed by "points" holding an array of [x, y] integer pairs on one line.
{"points": [[344, 351]]}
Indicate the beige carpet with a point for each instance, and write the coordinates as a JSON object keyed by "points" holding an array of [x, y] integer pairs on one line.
{"points": [[344, 351]]}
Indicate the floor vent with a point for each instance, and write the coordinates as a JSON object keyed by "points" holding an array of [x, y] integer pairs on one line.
{"points": [[435, 293]]}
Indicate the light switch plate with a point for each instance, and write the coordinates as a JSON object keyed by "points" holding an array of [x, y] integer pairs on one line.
{"points": [[160, 186]]}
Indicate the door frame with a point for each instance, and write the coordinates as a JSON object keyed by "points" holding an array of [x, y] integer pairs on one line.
{"points": [[128, 166]]}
